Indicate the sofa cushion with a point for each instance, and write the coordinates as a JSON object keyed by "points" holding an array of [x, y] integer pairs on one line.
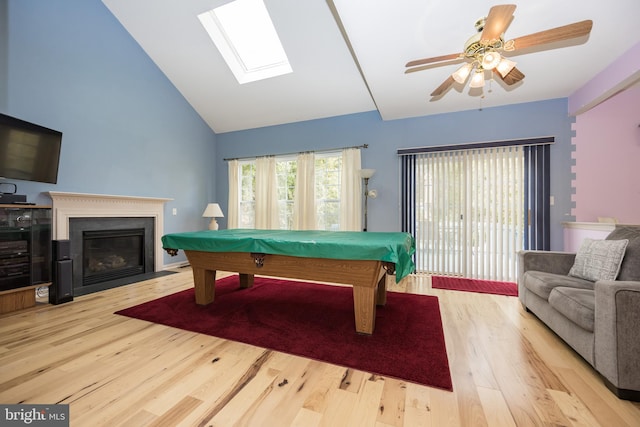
{"points": [[577, 305], [599, 259], [630, 268], [542, 283]]}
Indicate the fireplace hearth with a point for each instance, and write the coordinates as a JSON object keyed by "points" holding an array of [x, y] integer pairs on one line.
{"points": [[107, 250]]}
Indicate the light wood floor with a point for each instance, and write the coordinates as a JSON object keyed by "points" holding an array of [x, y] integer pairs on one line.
{"points": [[507, 370]]}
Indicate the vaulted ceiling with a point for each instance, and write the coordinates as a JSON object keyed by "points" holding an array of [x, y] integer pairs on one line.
{"points": [[349, 56]]}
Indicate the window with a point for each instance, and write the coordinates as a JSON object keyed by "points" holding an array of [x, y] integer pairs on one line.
{"points": [[328, 175], [247, 40], [247, 199], [286, 178]]}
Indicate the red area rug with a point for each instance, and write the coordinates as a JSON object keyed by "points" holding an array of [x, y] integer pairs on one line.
{"points": [[316, 321], [474, 285]]}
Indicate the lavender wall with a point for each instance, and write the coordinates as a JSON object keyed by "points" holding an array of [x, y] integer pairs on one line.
{"points": [[607, 152], [614, 78]]}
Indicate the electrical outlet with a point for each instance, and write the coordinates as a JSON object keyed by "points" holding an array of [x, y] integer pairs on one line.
{"points": [[175, 211]]}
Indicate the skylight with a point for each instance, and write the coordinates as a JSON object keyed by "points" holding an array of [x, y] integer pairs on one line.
{"points": [[245, 36]]}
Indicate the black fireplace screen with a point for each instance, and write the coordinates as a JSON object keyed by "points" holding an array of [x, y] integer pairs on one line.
{"points": [[108, 250], [112, 254]]}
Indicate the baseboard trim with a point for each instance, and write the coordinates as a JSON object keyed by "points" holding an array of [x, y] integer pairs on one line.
{"points": [[621, 393], [175, 265]]}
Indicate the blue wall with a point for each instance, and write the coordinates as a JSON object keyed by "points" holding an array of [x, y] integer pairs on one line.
{"points": [[545, 118], [70, 65]]}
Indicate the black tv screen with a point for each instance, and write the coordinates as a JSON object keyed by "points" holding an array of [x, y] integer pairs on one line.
{"points": [[28, 151]]}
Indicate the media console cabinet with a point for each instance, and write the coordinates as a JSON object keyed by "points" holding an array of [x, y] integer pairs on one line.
{"points": [[25, 254]]}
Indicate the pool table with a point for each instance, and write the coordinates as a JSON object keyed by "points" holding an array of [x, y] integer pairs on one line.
{"points": [[359, 259]]}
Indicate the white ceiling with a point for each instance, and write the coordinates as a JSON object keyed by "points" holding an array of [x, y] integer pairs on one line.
{"points": [[362, 68]]}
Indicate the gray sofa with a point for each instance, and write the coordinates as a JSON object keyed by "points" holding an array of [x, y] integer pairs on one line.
{"points": [[600, 320]]}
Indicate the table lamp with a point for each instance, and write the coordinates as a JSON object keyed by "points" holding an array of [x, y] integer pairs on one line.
{"points": [[213, 211]]}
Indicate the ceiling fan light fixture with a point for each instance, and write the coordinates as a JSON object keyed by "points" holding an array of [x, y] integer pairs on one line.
{"points": [[490, 60], [483, 51], [505, 66], [478, 79], [461, 74]]}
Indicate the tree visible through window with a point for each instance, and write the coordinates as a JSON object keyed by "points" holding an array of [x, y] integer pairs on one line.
{"points": [[328, 173], [247, 199], [286, 176]]}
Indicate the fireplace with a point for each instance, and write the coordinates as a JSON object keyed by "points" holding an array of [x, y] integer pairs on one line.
{"points": [[112, 254], [105, 251], [83, 207]]}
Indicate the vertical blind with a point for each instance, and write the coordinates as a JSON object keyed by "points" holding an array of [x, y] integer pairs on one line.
{"points": [[468, 207], [537, 187]]}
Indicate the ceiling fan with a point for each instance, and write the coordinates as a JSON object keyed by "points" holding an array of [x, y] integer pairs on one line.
{"points": [[482, 52]]}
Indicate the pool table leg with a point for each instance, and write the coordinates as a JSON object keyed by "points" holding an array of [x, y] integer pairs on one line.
{"points": [[381, 298], [246, 280], [364, 306], [205, 283]]}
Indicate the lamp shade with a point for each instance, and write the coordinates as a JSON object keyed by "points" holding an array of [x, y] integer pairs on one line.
{"points": [[367, 173], [505, 66], [490, 60], [213, 211], [461, 74], [477, 80]]}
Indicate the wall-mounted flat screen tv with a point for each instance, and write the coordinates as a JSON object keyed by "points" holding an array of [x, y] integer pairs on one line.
{"points": [[28, 151]]}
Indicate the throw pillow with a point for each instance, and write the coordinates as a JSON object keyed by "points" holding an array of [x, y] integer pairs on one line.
{"points": [[599, 259]]}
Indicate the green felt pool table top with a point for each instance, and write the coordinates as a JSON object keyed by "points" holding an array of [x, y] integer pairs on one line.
{"points": [[395, 247]]}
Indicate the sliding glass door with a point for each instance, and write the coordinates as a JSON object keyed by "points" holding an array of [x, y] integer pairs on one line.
{"points": [[468, 209]]}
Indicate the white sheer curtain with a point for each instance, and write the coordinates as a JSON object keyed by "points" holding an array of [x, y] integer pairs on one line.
{"points": [[305, 205], [234, 190], [351, 192], [304, 201], [267, 213]]}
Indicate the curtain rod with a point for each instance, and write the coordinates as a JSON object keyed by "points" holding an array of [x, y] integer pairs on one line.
{"points": [[298, 152]]}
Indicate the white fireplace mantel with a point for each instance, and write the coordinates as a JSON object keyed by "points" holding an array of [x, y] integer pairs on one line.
{"points": [[83, 205]]}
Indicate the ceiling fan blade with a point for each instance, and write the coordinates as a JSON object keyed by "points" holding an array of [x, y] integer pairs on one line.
{"points": [[443, 87], [498, 20], [513, 77], [566, 32], [430, 66], [432, 60]]}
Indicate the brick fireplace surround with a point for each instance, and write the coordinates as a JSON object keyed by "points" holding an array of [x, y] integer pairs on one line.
{"points": [[81, 205]]}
